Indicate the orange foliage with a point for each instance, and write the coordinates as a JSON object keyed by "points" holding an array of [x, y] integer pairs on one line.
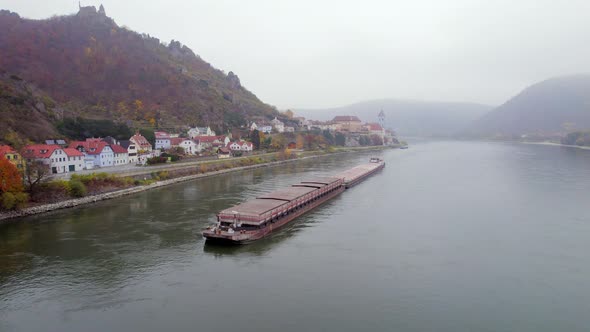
{"points": [[10, 178]]}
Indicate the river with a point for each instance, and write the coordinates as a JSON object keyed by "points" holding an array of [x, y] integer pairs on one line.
{"points": [[450, 236]]}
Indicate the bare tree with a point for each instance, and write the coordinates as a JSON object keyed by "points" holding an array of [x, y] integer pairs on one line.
{"points": [[35, 172]]}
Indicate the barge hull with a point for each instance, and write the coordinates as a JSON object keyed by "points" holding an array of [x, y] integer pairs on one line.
{"points": [[211, 237]]}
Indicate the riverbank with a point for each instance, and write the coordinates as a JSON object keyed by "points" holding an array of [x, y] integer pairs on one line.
{"points": [[559, 144], [11, 215]]}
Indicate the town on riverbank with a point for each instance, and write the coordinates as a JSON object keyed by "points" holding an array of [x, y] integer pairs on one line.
{"points": [[37, 175]]}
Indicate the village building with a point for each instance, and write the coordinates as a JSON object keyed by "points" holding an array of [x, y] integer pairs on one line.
{"points": [[265, 128], [253, 126], [347, 123], [212, 142], [190, 146], [223, 153], [240, 146], [321, 125], [374, 129], [121, 155], [14, 157], [53, 156], [289, 129], [162, 140], [76, 160], [141, 143], [200, 131], [97, 150], [132, 151], [278, 125]]}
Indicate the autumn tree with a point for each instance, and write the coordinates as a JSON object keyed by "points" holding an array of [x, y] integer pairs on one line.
{"points": [[278, 142], [300, 141], [10, 178]]}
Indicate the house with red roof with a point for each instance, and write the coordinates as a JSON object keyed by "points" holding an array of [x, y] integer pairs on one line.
{"points": [[162, 140], [121, 156], [56, 158], [374, 129], [76, 160], [95, 149], [211, 142], [141, 143], [13, 156]]}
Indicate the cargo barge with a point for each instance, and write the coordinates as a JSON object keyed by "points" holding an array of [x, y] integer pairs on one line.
{"points": [[257, 218]]}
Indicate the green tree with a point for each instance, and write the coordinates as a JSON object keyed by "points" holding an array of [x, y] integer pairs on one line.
{"points": [[340, 139], [255, 138]]}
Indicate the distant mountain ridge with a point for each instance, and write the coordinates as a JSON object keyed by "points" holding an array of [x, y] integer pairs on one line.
{"points": [[552, 107], [96, 69], [409, 117]]}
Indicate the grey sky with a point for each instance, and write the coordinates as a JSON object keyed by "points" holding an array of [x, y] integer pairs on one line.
{"points": [[321, 53]]}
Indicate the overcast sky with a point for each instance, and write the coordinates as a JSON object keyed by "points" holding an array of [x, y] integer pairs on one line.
{"points": [[323, 53]]}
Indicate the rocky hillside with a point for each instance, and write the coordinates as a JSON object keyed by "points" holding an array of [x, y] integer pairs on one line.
{"points": [[408, 117], [26, 111], [552, 107], [97, 69]]}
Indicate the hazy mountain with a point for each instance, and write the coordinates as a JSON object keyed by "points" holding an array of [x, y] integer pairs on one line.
{"points": [[407, 117], [557, 105], [96, 69]]}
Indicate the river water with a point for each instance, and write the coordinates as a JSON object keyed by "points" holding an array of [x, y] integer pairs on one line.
{"points": [[450, 236]]}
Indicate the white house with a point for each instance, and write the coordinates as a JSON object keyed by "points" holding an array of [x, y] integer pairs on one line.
{"points": [[289, 129], [267, 129], [97, 150], [200, 131], [141, 143], [53, 156], [240, 146], [278, 125], [162, 140], [132, 151], [121, 155], [208, 142], [190, 146], [253, 126], [76, 160]]}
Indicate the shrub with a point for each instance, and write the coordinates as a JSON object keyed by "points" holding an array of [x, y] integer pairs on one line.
{"points": [[77, 188], [157, 160], [8, 200]]}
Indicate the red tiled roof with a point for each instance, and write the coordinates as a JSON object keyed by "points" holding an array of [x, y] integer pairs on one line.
{"points": [[71, 152], [91, 145], [4, 149], [39, 150], [375, 127], [161, 134], [118, 149], [174, 141], [210, 139], [142, 141], [346, 118], [240, 143]]}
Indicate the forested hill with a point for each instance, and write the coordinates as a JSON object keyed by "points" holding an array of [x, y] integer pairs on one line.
{"points": [[93, 67], [554, 106]]}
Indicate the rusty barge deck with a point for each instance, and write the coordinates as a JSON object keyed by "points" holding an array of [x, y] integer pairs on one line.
{"points": [[259, 217]]}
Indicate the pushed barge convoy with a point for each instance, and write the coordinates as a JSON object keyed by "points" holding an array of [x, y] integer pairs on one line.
{"points": [[259, 217]]}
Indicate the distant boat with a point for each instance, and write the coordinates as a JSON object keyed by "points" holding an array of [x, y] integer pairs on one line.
{"points": [[403, 147]]}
